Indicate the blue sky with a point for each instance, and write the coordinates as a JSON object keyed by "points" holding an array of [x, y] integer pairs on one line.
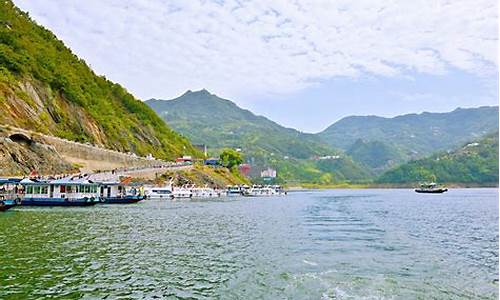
{"points": [[304, 64]]}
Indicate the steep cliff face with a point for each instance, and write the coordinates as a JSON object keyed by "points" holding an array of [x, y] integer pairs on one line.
{"points": [[19, 158], [45, 87]]}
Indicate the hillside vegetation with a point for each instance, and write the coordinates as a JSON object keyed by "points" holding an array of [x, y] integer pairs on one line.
{"points": [[46, 88], [219, 123], [376, 155], [474, 162]]}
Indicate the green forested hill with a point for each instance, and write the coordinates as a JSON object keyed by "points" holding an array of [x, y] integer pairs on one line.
{"points": [[208, 119], [474, 162], [414, 135], [45, 87], [377, 155]]}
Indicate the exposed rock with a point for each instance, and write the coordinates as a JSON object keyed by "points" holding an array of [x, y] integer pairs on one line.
{"points": [[20, 157]]}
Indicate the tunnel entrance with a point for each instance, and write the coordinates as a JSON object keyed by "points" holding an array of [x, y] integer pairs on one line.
{"points": [[21, 138]]}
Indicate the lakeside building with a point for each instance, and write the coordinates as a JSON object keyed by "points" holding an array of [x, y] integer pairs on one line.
{"points": [[212, 162], [184, 159], [268, 174], [245, 169], [326, 157]]}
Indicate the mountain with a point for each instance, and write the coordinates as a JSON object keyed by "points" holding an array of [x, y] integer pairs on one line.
{"points": [[474, 162], [46, 88], [413, 135], [376, 155], [207, 119]]}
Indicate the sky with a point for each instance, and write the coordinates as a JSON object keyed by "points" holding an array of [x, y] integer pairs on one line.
{"points": [[303, 64]]}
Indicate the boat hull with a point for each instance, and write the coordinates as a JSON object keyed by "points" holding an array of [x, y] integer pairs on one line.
{"points": [[436, 191], [122, 200], [159, 197], [5, 206], [57, 202]]}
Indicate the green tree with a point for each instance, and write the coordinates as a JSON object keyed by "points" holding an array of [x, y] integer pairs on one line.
{"points": [[230, 158]]}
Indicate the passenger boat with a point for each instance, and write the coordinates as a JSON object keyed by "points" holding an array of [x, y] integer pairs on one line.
{"points": [[204, 193], [159, 192], [234, 190], [120, 193], [182, 192], [71, 191], [264, 190], [430, 188], [9, 196]]}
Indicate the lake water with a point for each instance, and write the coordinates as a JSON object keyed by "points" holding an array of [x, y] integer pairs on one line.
{"points": [[340, 244]]}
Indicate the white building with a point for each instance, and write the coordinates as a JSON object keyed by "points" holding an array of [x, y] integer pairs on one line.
{"points": [[268, 173]]}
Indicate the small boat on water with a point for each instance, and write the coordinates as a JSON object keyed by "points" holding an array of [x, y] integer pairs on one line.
{"points": [[120, 193], [431, 188], [159, 192], [70, 191]]}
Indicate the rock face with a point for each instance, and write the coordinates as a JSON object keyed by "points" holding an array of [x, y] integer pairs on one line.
{"points": [[29, 150], [19, 157]]}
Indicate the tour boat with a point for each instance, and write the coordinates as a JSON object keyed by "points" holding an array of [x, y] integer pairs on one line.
{"points": [[234, 190], [264, 190], [181, 193], [120, 193], [431, 188], [9, 196], [70, 191], [204, 193], [159, 192]]}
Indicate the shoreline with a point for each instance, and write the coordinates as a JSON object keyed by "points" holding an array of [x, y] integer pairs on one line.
{"points": [[307, 186]]}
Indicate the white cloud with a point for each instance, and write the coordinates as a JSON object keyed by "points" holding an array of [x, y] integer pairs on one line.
{"points": [[161, 48]]}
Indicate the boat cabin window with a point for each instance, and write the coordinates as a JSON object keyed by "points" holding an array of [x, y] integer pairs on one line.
{"points": [[162, 191], [62, 189], [37, 189]]}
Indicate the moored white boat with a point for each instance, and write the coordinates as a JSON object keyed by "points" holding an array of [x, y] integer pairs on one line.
{"points": [[264, 190], [179, 193], [235, 190], [164, 192], [205, 193]]}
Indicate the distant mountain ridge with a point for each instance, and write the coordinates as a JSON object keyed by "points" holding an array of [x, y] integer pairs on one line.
{"points": [[420, 133], [206, 118]]}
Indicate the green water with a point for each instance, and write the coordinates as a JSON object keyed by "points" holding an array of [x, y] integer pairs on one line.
{"points": [[342, 244]]}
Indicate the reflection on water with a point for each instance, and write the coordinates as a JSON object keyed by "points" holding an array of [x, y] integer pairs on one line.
{"points": [[342, 244]]}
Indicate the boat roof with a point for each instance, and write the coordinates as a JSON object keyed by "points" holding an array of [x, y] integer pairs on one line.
{"points": [[118, 183], [9, 180], [61, 181]]}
